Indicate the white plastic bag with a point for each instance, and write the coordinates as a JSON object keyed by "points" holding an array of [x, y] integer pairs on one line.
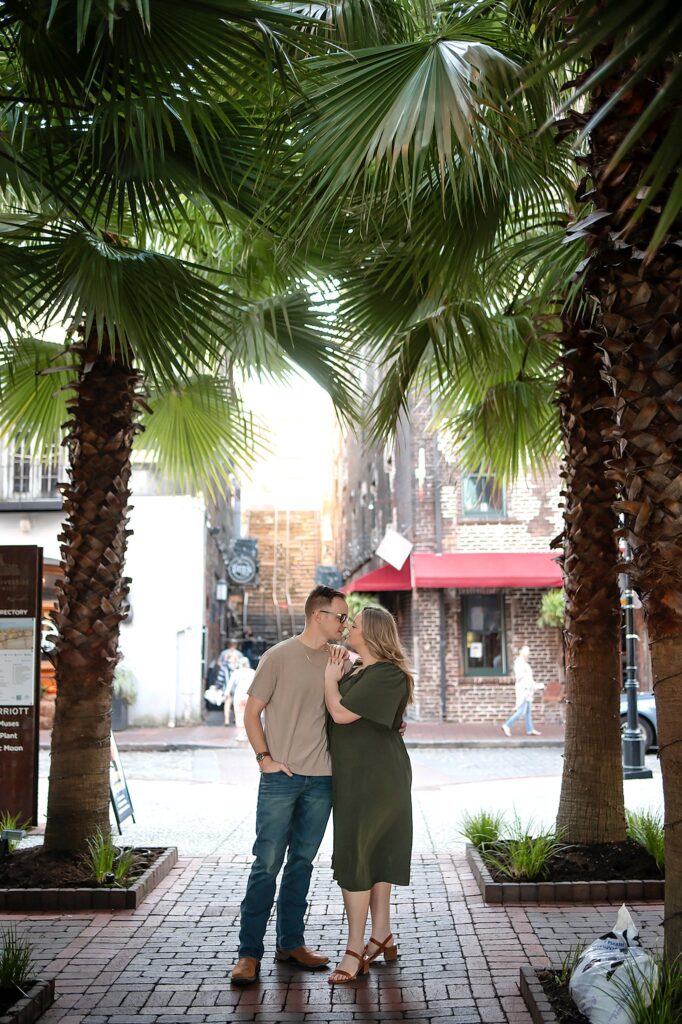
{"points": [[607, 972]]}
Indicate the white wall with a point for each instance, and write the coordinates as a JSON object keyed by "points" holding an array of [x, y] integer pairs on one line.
{"points": [[163, 643]]}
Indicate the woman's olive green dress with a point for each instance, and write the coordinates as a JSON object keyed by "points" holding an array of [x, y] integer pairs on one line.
{"points": [[371, 780]]}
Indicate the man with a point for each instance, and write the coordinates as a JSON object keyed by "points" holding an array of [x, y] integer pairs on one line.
{"points": [[295, 794]]}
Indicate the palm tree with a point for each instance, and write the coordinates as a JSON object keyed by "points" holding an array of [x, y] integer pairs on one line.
{"points": [[631, 82], [400, 119], [121, 126], [430, 295]]}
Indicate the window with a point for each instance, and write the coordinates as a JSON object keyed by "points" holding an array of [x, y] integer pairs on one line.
{"points": [[21, 470], [49, 475], [483, 634], [482, 497]]}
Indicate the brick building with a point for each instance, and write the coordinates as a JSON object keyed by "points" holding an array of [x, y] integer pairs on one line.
{"points": [[469, 594]]}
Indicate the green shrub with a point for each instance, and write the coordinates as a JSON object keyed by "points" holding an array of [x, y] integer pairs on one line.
{"points": [[108, 862], [657, 1000], [521, 856], [15, 959], [646, 828], [13, 821], [482, 828], [562, 973], [552, 609]]}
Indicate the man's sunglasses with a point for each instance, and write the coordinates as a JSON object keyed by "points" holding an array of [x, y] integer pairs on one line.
{"points": [[341, 616]]}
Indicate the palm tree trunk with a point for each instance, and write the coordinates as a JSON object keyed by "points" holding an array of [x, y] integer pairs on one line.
{"points": [[591, 807], [641, 301], [93, 544]]}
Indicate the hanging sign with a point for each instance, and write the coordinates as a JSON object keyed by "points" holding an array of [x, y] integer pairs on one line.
{"points": [[21, 571]]}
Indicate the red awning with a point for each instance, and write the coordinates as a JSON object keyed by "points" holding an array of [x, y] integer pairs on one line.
{"points": [[385, 578], [501, 569], [489, 569]]}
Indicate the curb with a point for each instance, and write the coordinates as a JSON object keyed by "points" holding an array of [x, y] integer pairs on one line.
{"points": [[28, 1008], [535, 998], [614, 891], [154, 746], [64, 900]]}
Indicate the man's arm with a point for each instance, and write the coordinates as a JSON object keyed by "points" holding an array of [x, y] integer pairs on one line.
{"points": [[254, 730]]}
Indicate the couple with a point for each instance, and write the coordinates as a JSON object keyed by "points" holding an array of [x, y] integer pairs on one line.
{"points": [[332, 736]]}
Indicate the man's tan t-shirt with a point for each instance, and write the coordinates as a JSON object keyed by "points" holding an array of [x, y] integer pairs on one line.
{"points": [[290, 681]]}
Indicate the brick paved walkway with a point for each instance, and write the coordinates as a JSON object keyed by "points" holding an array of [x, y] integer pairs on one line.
{"points": [[168, 961]]}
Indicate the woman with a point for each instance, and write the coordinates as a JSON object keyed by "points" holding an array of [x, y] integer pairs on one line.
{"points": [[371, 779]]}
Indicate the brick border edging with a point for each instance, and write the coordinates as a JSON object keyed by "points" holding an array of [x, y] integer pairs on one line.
{"points": [[614, 891], [28, 1008], [535, 997], [92, 899]]}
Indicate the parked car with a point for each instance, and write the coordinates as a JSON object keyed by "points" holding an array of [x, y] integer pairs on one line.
{"points": [[646, 715]]}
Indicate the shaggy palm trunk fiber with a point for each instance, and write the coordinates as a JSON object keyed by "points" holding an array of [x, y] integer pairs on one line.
{"points": [[591, 808], [93, 590], [640, 299]]}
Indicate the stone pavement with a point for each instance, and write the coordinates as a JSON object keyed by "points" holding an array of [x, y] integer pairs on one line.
{"points": [[168, 962], [419, 734]]}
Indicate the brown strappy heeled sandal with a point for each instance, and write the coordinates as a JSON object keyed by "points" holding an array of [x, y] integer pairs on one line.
{"points": [[390, 952], [363, 968]]}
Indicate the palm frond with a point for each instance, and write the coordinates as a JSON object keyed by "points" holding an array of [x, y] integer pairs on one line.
{"points": [[164, 313], [199, 435], [34, 381], [281, 334], [635, 41]]}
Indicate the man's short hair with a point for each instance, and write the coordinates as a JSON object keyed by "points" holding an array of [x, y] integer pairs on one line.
{"points": [[320, 597]]}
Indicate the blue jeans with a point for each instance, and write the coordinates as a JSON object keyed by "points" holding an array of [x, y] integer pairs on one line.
{"points": [[522, 711], [292, 813]]}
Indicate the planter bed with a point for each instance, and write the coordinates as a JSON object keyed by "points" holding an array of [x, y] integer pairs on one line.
{"points": [[25, 1009], [547, 1001], [613, 890], [69, 890]]}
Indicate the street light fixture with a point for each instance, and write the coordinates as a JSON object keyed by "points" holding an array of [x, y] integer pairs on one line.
{"points": [[633, 737], [221, 590]]}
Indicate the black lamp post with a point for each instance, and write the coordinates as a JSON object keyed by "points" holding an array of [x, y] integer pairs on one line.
{"points": [[633, 738]]}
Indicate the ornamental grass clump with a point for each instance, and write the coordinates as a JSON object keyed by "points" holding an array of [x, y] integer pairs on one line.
{"points": [[483, 828], [522, 856], [13, 822], [655, 999], [15, 960], [646, 828], [110, 864]]}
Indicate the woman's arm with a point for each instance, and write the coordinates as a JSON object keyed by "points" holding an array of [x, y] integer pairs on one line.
{"points": [[332, 697]]}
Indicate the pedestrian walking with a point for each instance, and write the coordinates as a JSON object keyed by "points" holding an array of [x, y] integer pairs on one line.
{"points": [[371, 781], [242, 679], [526, 688], [295, 792]]}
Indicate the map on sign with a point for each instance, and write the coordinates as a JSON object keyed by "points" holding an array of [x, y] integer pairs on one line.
{"points": [[17, 661]]}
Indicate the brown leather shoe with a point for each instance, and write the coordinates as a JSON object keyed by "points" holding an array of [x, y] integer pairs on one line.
{"points": [[245, 971], [304, 957]]}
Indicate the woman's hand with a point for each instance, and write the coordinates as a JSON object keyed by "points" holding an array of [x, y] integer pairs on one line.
{"points": [[336, 664]]}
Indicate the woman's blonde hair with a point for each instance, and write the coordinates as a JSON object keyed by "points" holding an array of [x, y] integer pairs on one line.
{"points": [[381, 636]]}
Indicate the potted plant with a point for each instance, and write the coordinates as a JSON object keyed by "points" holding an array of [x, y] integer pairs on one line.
{"points": [[125, 694]]}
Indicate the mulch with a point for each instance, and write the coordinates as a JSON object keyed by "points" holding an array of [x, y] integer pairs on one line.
{"points": [[599, 862], [565, 1009], [9, 996], [32, 868]]}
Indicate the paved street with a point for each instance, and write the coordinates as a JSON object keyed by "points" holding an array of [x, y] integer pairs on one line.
{"points": [[203, 801], [168, 962]]}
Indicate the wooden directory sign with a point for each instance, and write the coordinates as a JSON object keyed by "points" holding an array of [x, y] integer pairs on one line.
{"points": [[21, 576]]}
